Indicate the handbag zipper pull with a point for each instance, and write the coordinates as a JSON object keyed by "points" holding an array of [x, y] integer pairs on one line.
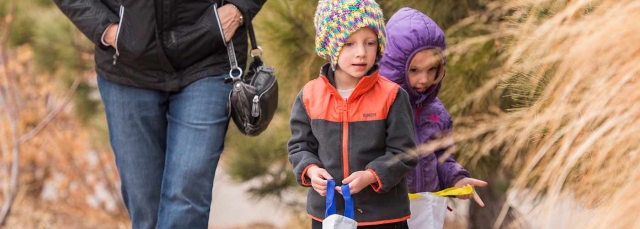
{"points": [[254, 108]]}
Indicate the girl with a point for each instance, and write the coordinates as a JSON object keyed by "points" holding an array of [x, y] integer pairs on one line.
{"points": [[414, 59]]}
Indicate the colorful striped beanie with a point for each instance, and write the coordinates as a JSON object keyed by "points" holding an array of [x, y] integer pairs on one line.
{"points": [[335, 20]]}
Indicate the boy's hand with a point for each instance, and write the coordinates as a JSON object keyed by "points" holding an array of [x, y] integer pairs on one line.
{"points": [[319, 177], [358, 181], [473, 182]]}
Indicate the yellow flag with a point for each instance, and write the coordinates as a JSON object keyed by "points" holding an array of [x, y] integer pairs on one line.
{"points": [[466, 190]]}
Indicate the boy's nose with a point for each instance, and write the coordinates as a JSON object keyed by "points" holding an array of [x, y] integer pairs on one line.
{"points": [[360, 51]]}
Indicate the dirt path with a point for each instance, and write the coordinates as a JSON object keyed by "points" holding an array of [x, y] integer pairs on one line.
{"points": [[232, 207]]}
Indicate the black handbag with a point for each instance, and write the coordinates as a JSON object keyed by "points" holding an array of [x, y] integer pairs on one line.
{"points": [[254, 97]]}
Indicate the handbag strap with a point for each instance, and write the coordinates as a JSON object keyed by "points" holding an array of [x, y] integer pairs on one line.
{"points": [[330, 207], [233, 62], [256, 51]]}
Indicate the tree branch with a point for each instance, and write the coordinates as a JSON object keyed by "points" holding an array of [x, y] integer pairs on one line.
{"points": [[10, 101], [15, 172], [51, 115], [15, 147]]}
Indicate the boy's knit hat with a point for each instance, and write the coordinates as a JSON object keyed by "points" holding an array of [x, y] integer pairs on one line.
{"points": [[336, 20]]}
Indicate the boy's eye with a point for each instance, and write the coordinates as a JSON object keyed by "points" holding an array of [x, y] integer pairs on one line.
{"points": [[371, 43], [433, 69], [413, 70], [348, 44]]}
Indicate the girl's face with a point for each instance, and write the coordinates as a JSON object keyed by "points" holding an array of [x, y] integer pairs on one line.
{"points": [[358, 53], [425, 70]]}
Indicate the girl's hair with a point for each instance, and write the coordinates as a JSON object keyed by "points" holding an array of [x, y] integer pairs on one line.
{"points": [[439, 54]]}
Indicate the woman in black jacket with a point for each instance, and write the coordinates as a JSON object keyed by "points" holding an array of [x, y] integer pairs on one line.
{"points": [[161, 66]]}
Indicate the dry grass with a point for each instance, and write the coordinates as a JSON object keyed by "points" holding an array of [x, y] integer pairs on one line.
{"points": [[573, 68]]}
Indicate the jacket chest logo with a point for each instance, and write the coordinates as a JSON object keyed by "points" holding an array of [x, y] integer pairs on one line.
{"points": [[369, 115], [434, 118]]}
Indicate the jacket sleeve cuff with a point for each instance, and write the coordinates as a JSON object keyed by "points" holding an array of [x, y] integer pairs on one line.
{"points": [[240, 11], [456, 179], [306, 181], [377, 186]]}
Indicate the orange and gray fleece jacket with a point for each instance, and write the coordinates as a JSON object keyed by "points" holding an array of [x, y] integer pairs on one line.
{"points": [[372, 130]]}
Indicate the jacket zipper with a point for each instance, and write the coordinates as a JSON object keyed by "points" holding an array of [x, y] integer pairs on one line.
{"points": [[418, 180], [215, 12], [117, 54], [345, 139]]}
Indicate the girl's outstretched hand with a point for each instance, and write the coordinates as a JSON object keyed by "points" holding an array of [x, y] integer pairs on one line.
{"points": [[473, 182], [357, 181], [319, 177]]}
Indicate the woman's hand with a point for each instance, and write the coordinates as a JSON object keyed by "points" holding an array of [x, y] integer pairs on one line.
{"points": [[230, 20], [110, 34]]}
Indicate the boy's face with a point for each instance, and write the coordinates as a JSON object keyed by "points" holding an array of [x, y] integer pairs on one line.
{"points": [[358, 53], [423, 70]]}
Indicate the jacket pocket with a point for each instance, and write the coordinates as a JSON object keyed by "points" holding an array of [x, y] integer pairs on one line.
{"points": [[191, 44], [117, 54], [136, 45]]}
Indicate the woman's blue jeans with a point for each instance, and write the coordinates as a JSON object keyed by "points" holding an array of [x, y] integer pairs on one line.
{"points": [[167, 146]]}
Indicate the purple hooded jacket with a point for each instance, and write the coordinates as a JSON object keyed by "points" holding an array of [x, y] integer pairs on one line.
{"points": [[408, 32]]}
